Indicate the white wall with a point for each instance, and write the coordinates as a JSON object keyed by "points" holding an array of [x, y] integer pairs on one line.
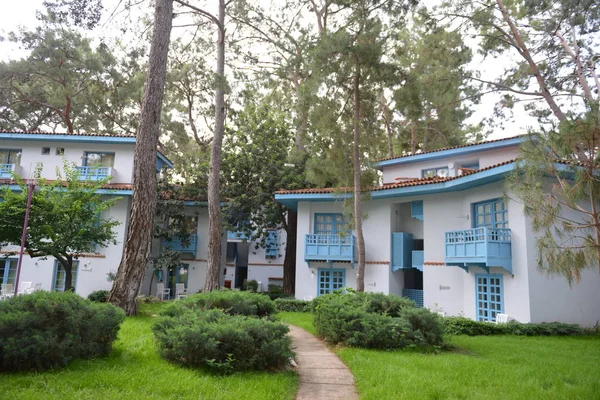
{"points": [[485, 159], [74, 152]]}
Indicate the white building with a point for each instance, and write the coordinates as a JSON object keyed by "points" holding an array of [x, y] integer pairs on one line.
{"points": [[440, 231], [98, 156]]}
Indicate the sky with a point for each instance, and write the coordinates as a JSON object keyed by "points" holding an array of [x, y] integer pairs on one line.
{"points": [[22, 13]]}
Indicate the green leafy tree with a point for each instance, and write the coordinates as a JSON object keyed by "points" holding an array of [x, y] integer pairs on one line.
{"points": [[65, 219], [256, 163], [555, 50]]}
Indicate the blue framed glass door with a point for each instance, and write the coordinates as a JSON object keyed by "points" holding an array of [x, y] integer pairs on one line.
{"points": [[330, 280], [489, 298]]}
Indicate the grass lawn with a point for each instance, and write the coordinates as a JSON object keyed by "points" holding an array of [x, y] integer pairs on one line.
{"points": [[133, 370], [484, 367]]}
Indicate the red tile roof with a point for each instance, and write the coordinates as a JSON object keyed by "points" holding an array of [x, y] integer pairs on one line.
{"points": [[65, 133], [110, 186], [451, 148], [396, 185]]}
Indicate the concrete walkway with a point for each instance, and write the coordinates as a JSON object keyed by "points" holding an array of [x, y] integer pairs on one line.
{"points": [[323, 375]]}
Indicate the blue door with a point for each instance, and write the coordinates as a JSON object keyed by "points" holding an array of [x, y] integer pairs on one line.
{"points": [[489, 298], [330, 280]]}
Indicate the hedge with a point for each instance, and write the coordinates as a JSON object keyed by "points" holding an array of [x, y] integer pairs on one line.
{"points": [[233, 302], [293, 305], [465, 326], [46, 330]]}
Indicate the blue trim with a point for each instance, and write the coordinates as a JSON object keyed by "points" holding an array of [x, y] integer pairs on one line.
{"points": [[6, 271], [493, 211], [336, 227], [328, 273], [74, 274], [164, 160], [67, 138], [461, 183], [483, 305], [450, 152], [127, 192]]}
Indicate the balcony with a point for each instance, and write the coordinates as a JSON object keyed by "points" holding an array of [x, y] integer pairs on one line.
{"points": [[480, 247], [418, 258], [330, 248], [94, 173], [236, 236], [6, 171], [182, 246]]}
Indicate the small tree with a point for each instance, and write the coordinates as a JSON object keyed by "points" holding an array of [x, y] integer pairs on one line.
{"points": [[65, 218]]}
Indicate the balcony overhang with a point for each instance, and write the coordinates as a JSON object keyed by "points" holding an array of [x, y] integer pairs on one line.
{"points": [[479, 247], [189, 246], [330, 248]]}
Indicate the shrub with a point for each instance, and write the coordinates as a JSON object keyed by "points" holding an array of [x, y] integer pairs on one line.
{"points": [[46, 330], [291, 304], [252, 286], [99, 296], [375, 321], [233, 302], [222, 342], [464, 326]]}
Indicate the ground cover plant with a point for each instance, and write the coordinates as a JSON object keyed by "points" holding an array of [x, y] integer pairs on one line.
{"points": [[224, 331], [376, 321], [134, 370], [46, 330], [480, 367]]}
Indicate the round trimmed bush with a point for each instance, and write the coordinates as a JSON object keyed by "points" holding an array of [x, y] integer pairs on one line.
{"points": [[232, 302], [375, 320], [291, 304], [46, 330], [225, 343], [99, 296]]}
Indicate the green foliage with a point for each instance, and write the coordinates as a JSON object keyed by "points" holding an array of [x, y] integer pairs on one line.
{"points": [[291, 304], [252, 285], [232, 302], [464, 326], [374, 320], [98, 296], [222, 342], [46, 330], [65, 218]]}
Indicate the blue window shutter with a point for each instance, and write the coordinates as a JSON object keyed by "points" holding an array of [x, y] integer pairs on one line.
{"points": [[272, 245]]}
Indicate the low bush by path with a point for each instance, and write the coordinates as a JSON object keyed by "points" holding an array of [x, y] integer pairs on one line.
{"points": [[134, 370], [480, 367]]}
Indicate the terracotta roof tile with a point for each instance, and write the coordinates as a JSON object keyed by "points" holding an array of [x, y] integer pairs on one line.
{"points": [[110, 186], [451, 148], [65, 133], [396, 185]]}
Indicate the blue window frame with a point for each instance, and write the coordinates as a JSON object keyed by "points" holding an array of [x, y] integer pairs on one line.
{"points": [[8, 270], [98, 159], [272, 245], [58, 283], [331, 224], [330, 280], [491, 214], [489, 297], [442, 172], [10, 156]]}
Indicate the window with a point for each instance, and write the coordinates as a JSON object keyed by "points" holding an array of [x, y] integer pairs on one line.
{"points": [[272, 245], [58, 284], [489, 297], [60, 151], [431, 172], [331, 224], [491, 214], [97, 159], [10, 156], [330, 280], [8, 271], [473, 165], [45, 151]]}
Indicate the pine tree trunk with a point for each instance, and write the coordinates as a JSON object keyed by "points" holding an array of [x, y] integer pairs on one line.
{"points": [[68, 266], [213, 267], [143, 206], [289, 263], [360, 240]]}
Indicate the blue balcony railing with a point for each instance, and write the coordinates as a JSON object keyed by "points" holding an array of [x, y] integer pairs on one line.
{"points": [[187, 246], [94, 173], [321, 247], [481, 247], [418, 258], [415, 295], [236, 236], [6, 170]]}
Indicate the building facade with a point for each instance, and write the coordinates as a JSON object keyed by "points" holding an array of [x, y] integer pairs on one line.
{"points": [[442, 230]]}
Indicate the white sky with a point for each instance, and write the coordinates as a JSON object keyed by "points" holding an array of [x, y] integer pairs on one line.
{"points": [[22, 13]]}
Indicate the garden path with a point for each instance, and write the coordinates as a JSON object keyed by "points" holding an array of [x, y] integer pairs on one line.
{"points": [[323, 376]]}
